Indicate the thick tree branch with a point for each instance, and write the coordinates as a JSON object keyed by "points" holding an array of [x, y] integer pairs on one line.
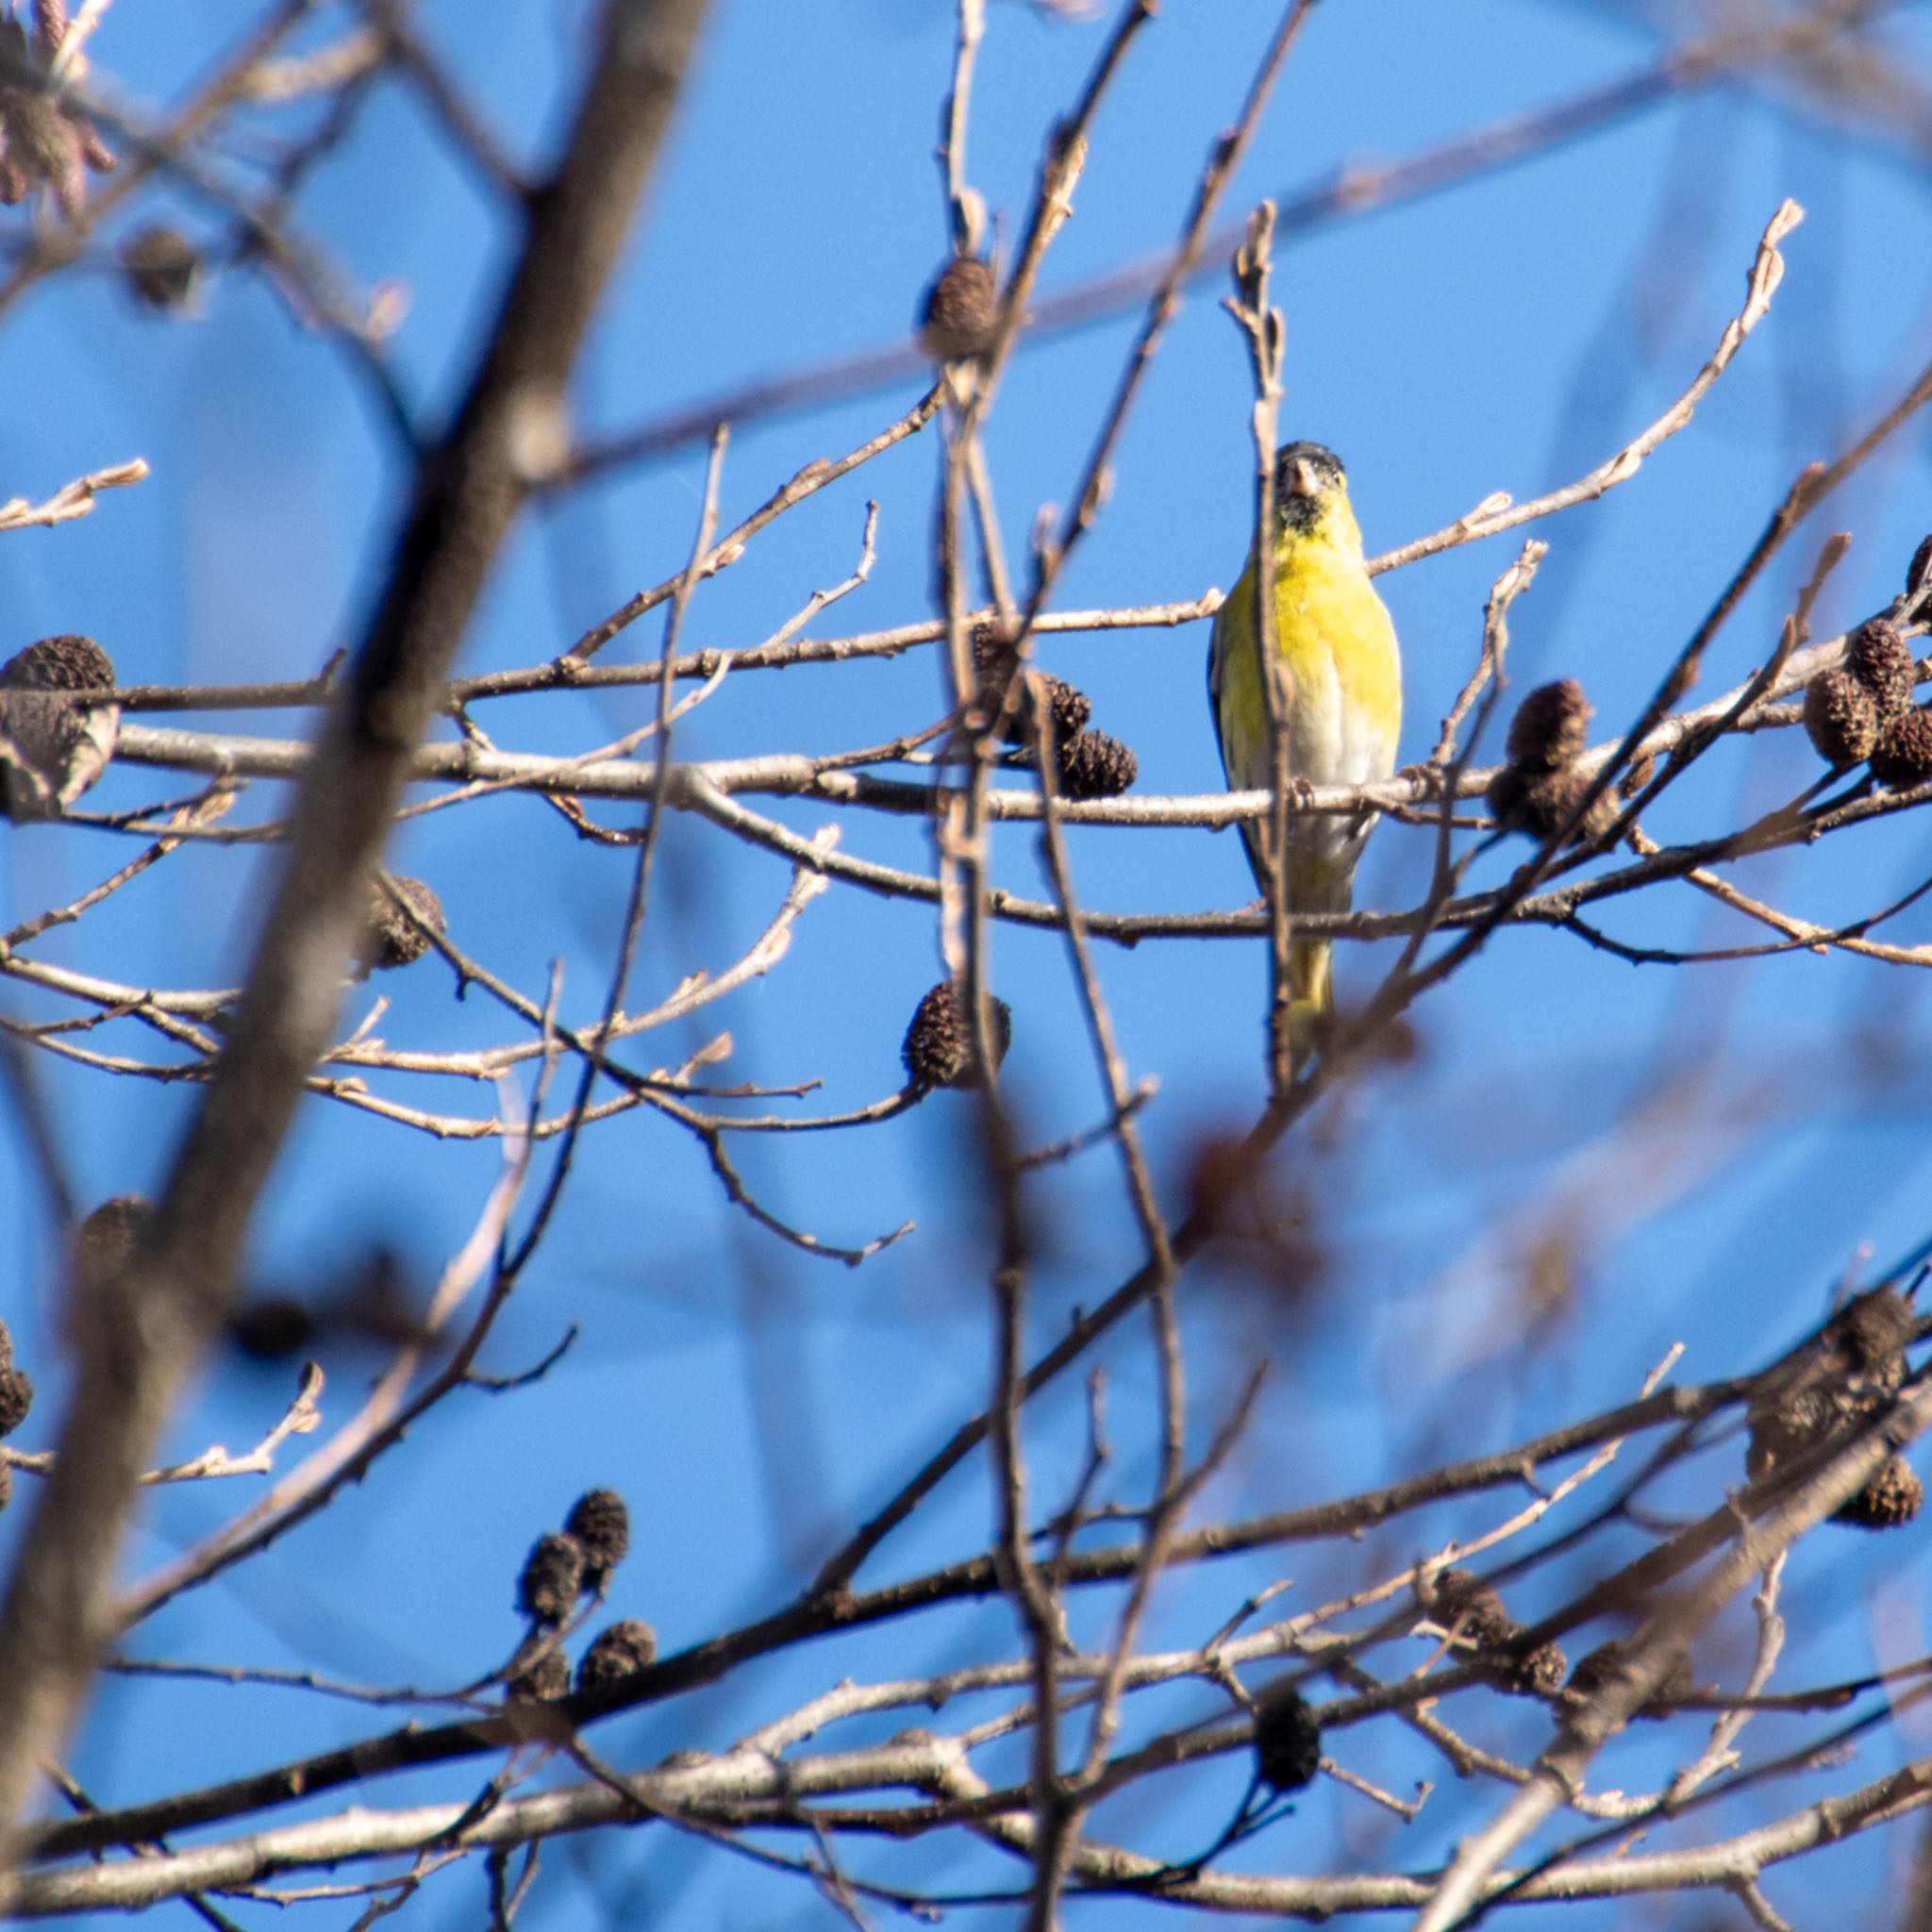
{"points": [[148, 1335]]}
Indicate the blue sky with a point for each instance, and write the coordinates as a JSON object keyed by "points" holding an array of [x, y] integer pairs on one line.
{"points": [[1719, 1145]]}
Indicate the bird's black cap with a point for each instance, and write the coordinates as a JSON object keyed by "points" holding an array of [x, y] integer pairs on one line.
{"points": [[1294, 508], [1323, 461]]}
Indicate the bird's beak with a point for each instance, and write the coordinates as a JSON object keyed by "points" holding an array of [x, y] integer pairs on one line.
{"points": [[1301, 480]]}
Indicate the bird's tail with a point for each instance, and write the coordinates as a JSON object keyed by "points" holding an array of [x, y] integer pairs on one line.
{"points": [[1317, 882], [1322, 882], [1311, 998]]}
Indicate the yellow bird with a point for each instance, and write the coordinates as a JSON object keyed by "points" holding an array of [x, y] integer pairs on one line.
{"points": [[1335, 636]]}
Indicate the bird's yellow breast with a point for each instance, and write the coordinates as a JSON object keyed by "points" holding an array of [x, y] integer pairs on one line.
{"points": [[1336, 639]]}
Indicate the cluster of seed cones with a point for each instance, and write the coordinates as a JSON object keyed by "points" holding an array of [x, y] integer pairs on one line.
{"points": [[1863, 710], [958, 319], [1022, 707], [1856, 1370], [1087, 764], [1543, 780], [562, 1567], [55, 746], [1471, 1613], [46, 141]]}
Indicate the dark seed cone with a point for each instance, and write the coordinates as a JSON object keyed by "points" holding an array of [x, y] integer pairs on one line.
{"points": [[1596, 1668], [1539, 802], [1093, 765], [105, 1243], [1840, 718], [161, 268], [995, 658], [1605, 1662], [938, 1044], [1857, 1366], [1798, 1418], [70, 663], [1882, 661], [393, 940], [1827, 1402], [1287, 1740], [1904, 757], [1536, 1671], [545, 1681], [553, 1576], [1505, 798], [53, 749], [16, 1398], [1551, 726], [1467, 1606], [271, 1329], [960, 310], [621, 1651], [995, 662], [601, 1524], [1068, 708], [1888, 1501], [1920, 568], [1871, 1331]]}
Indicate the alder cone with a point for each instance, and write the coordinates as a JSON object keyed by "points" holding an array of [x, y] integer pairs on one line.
{"points": [[1888, 1501], [1093, 765], [960, 312], [601, 1524], [938, 1051], [544, 1682], [552, 1576], [16, 1398], [1287, 1739], [1539, 802], [1904, 757], [1461, 1602], [160, 268], [1840, 718], [1536, 1671], [1551, 726], [1871, 1331], [1882, 661], [1596, 1669], [1920, 568], [393, 939], [620, 1651], [995, 663], [52, 748], [105, 1243]]}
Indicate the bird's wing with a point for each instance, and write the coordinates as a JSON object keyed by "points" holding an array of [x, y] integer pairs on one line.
{"points": [[1228, 621]]}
